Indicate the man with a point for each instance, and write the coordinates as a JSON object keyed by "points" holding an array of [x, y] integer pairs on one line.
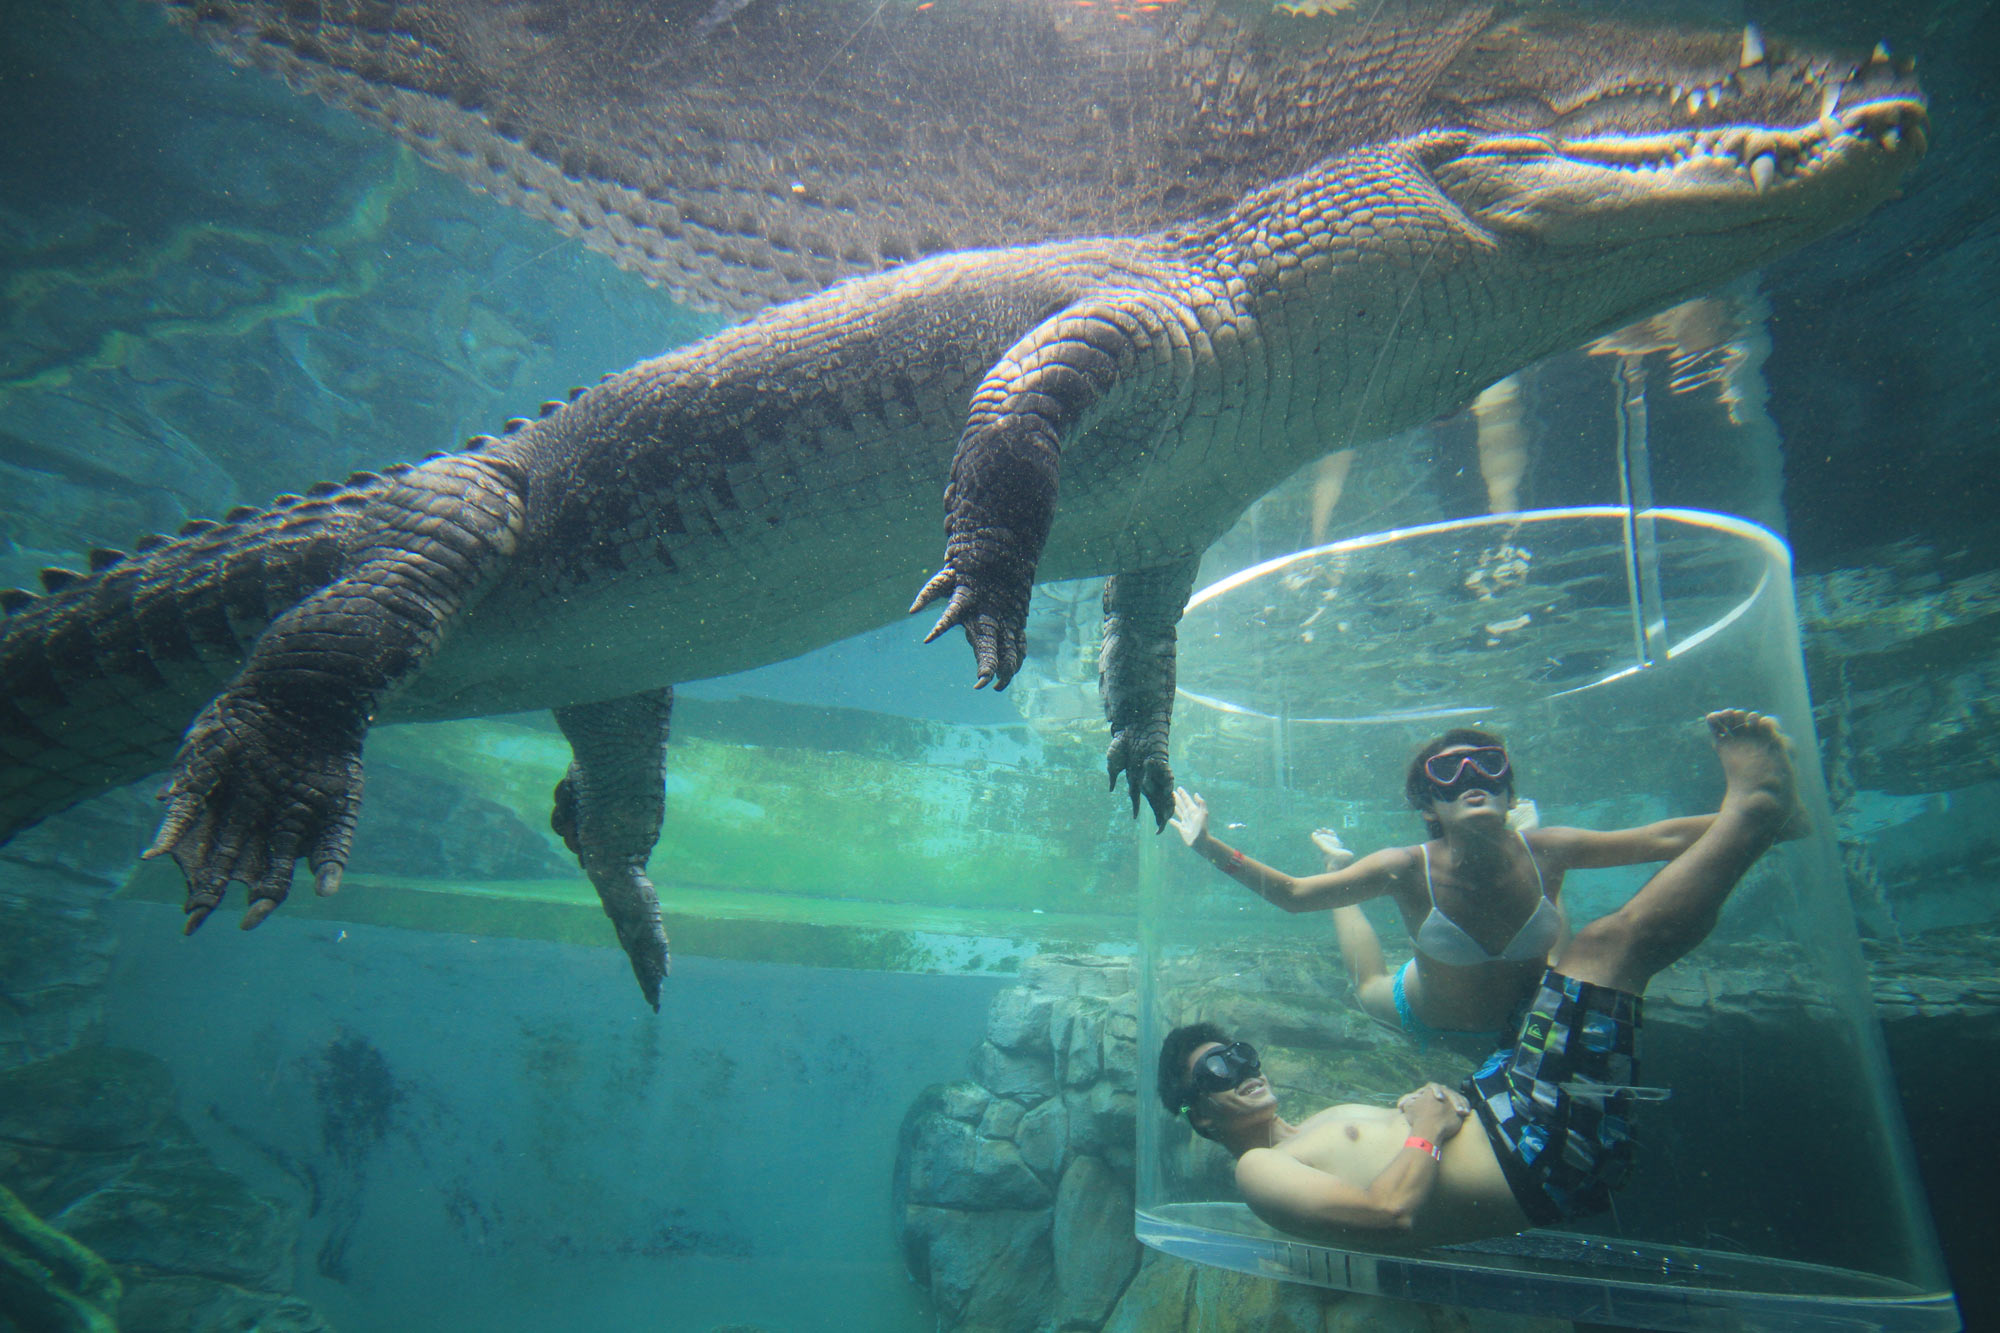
{"points": [[1554, 1107]]}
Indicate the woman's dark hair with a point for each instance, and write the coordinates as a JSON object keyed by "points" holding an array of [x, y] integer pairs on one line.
{"points": [[1417, 784], [1176, 1088]]}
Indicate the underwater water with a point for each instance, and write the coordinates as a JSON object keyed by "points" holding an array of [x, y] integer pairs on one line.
{"points": [[513, 1156], [901, 1074]]}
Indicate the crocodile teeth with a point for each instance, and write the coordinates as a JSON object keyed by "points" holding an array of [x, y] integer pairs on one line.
{"points": [[1753, 47], [1765, 154], [1829, 101]]}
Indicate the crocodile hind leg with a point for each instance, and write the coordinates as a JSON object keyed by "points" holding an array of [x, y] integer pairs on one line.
{"points": [[271, 770], [608, 809], [1135, 678]]}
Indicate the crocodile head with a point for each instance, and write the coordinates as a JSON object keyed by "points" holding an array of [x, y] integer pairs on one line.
{"points": [[1581, 136]]}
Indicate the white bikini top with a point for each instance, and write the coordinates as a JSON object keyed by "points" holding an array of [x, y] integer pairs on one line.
{"points": [[1442, 938]]}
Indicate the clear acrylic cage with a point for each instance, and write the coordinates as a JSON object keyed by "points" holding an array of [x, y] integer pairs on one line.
{"points": [[1774, 1188]]}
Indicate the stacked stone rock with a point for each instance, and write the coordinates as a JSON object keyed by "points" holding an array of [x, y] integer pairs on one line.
{"points": [[1014, 1187]]}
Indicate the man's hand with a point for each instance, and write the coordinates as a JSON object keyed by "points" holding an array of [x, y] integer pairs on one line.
{"points": [[1190, 816], [1434, 1111], [1332, 851]]}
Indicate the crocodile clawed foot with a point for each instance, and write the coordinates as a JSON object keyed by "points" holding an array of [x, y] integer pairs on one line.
{"points": [[250, 794], [1150, 777], [634, 908], [992, 612], [652, 962]]}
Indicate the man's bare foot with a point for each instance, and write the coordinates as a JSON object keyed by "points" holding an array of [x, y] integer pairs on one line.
{"points": [[1331, 849], [1757, 772]]}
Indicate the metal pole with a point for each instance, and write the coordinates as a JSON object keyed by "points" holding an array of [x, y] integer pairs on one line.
{"points": [[1635, 492]]}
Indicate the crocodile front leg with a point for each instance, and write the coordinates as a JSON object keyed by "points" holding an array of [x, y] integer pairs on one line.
{"points": [[1135, 678], [608, 809], [1001, 498], [271, 770]]}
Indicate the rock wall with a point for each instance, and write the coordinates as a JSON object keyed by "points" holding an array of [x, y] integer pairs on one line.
{"points": [[56, 941], [1901, 657], [90, 1143], [1013, 1188], [1939, 999]]}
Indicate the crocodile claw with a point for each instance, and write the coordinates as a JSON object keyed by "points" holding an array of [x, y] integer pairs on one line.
{"points": [[252, 792], [993, 614], [629, 898], [1149, 776], [634, 908]]}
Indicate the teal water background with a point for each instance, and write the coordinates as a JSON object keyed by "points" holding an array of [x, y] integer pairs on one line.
{"points": [[216, 291], [493, 1135]]}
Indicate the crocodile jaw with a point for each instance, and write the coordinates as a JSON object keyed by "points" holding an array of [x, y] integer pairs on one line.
{"points": [[1614, 189]]}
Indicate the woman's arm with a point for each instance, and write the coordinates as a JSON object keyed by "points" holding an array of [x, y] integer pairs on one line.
{"points": [[1370, 877], [1590, 849]]}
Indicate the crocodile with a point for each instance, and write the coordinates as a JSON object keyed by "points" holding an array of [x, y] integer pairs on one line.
{"points": [[774, 487]]}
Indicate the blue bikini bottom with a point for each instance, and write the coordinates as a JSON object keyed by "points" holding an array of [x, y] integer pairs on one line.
{"points": [[1415, 1026]]}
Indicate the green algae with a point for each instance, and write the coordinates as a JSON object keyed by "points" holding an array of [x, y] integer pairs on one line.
{"points": [[858, 846], [355, 276], [48, 1282], [701, 921]]}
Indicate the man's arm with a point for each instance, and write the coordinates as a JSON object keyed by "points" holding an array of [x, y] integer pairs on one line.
{"points": [[1293, 1196]]}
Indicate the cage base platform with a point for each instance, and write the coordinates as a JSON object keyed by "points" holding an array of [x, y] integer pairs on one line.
{"points": [[1562, 1276]]}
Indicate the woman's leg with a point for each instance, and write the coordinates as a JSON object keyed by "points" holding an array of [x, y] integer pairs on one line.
{"points": [[1679, 906], [1361, 950]]}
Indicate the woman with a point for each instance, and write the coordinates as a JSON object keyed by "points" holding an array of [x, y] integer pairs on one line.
{"points": [[1481, 899]]}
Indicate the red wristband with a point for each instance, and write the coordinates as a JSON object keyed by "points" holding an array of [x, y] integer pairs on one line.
{"points": [[1437, 1153], [1235, 857]]}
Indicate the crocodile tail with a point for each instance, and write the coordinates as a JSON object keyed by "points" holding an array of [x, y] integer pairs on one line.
{"points": [[101, 672]]}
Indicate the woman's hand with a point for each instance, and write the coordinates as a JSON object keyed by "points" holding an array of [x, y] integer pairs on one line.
{"points": [[1331, 849], [1190, 816]]}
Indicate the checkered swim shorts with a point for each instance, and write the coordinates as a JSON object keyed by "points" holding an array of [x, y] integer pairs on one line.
{"points": [[1563, 1146]]}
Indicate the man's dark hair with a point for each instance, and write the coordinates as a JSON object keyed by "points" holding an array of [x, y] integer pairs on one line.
{"points": [[1417, 786], [1176, 1088]]}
